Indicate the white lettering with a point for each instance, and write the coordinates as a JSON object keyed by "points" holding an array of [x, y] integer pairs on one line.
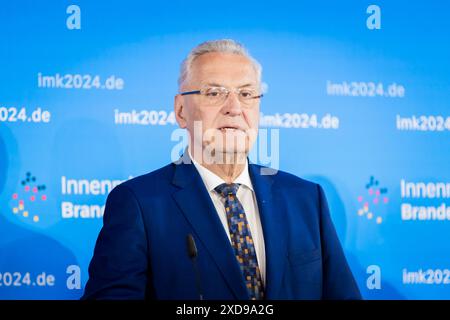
{"points": [[374, 20], [74, 211], [74, 20], [74, 279]]}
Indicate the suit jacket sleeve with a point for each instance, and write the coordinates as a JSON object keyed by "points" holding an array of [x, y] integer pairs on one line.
{"points": [[338, 280], [119, 267]]}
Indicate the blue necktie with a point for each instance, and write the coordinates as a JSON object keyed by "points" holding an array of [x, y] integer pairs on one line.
{"points": [[241, 240]]}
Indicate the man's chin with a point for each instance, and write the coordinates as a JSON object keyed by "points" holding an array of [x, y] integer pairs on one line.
{"points": [[232, 148], [232, 157], [225, 155]]}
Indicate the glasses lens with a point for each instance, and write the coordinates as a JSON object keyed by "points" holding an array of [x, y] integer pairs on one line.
{"points": [[248, 95], [214, 95], [217, 95]]}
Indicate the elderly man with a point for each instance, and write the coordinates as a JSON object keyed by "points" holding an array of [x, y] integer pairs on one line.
{"points": [[213, 226]]}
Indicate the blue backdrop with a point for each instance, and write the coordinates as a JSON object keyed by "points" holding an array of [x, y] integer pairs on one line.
{"points": [[358, 95]]}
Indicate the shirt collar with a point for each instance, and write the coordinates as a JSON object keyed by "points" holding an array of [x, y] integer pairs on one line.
{"points": [[211, 180]]}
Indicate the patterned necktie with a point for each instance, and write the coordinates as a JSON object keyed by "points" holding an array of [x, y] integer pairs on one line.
{"points": [[241, 240]]}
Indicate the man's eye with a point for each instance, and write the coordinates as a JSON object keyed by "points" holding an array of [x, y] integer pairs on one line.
{"points": [[213, 93], [247, 94]]}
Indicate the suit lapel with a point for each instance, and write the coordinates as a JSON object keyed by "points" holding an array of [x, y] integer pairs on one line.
{"points": [[274, 229], [196, 205]]}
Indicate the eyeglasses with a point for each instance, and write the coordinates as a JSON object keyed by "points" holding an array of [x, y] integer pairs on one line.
{"points": [[216, 96]]}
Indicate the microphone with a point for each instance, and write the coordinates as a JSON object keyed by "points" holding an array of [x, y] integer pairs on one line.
{"points": [[193, 253]]}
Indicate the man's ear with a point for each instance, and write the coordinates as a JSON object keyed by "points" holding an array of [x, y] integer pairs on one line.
{"points": [[179, 111]]}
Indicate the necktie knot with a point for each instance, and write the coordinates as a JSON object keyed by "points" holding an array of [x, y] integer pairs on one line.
{"points": [[226, 189]]}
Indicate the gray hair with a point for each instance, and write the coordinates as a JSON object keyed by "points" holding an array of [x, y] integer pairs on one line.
{"points": [[222, 46]]}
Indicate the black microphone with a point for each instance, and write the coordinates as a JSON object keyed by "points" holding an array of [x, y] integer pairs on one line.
{"points": [[193, 253]]}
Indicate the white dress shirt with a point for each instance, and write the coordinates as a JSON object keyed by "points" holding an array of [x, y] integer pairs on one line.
{"points": [[246, 196]]}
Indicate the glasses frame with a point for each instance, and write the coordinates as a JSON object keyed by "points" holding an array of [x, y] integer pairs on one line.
{"points": [[228, 91]]}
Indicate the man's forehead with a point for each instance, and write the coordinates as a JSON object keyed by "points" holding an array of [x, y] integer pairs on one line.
{"points": [[218, 67]]}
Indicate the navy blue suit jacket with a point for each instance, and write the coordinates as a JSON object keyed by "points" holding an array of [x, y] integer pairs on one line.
{"points": [[141, 251]]}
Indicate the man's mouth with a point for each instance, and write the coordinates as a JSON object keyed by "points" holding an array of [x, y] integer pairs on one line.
{"points": [[230, 128]]}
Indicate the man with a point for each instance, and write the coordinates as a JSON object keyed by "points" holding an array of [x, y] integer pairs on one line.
{"points": [[213, 226]]}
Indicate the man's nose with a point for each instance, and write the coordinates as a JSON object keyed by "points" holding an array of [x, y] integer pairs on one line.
{"points": [[232, 105]]}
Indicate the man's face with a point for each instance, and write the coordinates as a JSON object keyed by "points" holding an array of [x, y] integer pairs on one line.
{"points": [[231, 126]]}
